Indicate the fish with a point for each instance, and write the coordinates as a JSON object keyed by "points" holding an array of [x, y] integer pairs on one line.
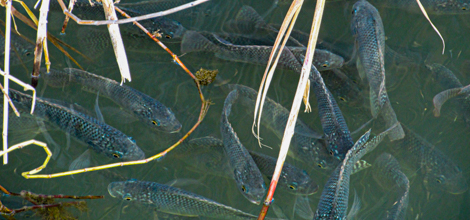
{"points": [[367, 28], [257, 54], [306, 145], [292, 179], [445, 95], [173, 200], [334, 198], [387, 173], [248, 21], [21, 50], [99, 136], [440, 172], [151, 112], [166, 27], [436, 7], [452, 88], [334, 125], [246, 174], [342, 87]]}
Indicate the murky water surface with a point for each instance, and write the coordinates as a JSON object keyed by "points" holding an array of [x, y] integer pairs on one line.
{"points": [[410, 86]]}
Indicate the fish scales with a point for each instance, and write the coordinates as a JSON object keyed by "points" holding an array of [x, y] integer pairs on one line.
{"points": [[306, 143], [99, 136], [334, 198], [387, 173], [173, 200], [20, 49], [368, 30], [256, 54], [440, 172], [247, 175], [150, 111], [334, 126], [293, 179]]}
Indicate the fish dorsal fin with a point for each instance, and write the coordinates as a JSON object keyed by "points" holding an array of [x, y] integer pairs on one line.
{"points": [[195, 42]]}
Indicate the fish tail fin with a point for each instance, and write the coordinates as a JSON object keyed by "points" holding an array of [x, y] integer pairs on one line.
{"points": [[356, 206], [194, 42]]}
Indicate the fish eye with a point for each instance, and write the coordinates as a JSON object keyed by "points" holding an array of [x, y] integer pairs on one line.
{"points": [[293, 186], [115, 155], [244, 188], [27, 53], [331, 153], [464, 8], [326, 64], [320, 165], [128, 198], [167, 36], [156, 122], [342, 99], [440, 179]]}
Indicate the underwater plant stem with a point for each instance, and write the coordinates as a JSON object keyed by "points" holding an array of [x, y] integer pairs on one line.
{"points": [[40, 41]]}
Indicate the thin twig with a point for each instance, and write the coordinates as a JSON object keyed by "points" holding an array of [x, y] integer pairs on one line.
{"points": [[29, 175], [129, 20], [66, 20], [434, 27]]}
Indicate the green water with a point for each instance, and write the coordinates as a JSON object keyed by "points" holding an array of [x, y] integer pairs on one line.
{"points": [[410, 88]]}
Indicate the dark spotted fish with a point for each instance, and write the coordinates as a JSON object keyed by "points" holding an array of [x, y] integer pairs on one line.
{"points": [[452, 88], [173, 200], [97, 135], [387, 173], [247, 175], [367, 28], [306, 144], [293, 179], [335, 129], [342, 87], [195, 42], [248, 21], [440, 172], [334, 199], [148, 110], [437, 7], [20, 49]]}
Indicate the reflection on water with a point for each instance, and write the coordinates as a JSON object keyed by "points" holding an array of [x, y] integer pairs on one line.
{"points": [[410, 85]]}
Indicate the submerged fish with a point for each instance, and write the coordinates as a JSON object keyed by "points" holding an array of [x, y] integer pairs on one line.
{"points": [[343, 87], [293, 179], [453, 88], [289, 59], [334, 198], [367, 28], [438, 7], [306, 144], [150, 111], [173, 200], [440, 172], [387, 173], [335, 129], [20, 49], [247, 175], [99, 136]]}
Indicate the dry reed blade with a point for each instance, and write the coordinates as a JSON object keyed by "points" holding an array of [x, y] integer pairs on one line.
{"points": [[6, 81], [67, 18], [116, 39], [129, 20], [40, 39], [434, 27], [290, 126], [268, 73]]}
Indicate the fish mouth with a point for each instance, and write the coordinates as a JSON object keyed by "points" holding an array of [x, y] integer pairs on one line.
{"points": [[176, 129], [113, 189]]}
